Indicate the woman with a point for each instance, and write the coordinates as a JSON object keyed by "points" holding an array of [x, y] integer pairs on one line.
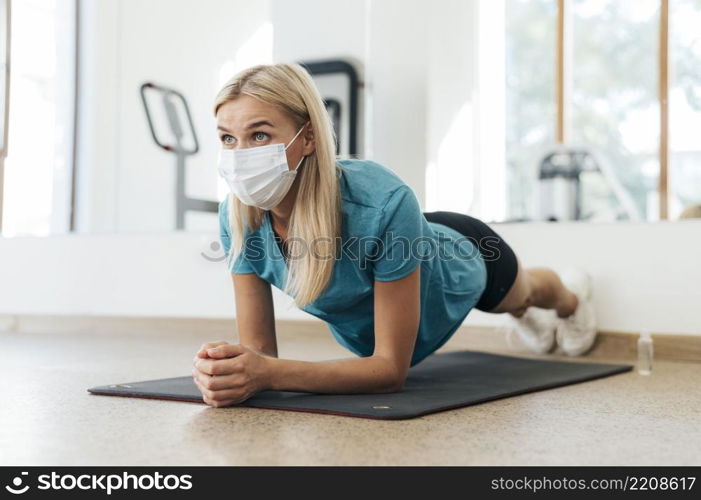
{"points": [[348, 241]]}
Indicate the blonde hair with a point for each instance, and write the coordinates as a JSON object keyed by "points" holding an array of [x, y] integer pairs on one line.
{"points": [[316, 215]]}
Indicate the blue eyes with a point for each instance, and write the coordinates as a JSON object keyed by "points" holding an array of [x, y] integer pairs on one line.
{"points": [[257, 136]]}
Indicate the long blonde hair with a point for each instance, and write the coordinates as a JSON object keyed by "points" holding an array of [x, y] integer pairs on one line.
{"points": [[316, 215]]}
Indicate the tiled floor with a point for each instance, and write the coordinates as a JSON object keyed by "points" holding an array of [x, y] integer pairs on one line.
{"points": [[48, 418]]}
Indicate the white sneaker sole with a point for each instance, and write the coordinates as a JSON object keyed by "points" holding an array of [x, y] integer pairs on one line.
{"points": [[535, 329]]}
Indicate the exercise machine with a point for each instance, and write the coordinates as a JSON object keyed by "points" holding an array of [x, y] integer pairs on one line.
{"points": [[560, 184], [178, 137]]}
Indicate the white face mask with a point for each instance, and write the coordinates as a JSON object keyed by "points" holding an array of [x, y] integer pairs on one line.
{"points": [[258, 176]]}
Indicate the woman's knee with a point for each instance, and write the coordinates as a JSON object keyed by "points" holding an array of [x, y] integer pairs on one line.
{"points": [[520, 295]]}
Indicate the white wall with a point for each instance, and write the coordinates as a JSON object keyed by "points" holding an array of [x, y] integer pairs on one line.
{"points": [[645, 275], [397, 64], [417, 101], [126, 183], [389, 40], [299, 27], [451, 134], [318, 29], [128, 274]]}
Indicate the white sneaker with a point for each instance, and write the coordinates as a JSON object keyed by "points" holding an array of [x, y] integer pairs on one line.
{"points": [[576, 334], [535, 329]]}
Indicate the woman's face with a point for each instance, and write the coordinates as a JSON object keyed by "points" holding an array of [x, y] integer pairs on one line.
{"points": [[246, 122]]}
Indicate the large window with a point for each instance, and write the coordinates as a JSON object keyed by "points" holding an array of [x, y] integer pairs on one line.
{"points": [[614, 109], [38, 172], [619, 79]]}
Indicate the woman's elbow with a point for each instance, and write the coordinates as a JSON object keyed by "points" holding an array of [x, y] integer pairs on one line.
{"points": [[394, 382], [399, 384], [392, 377]]}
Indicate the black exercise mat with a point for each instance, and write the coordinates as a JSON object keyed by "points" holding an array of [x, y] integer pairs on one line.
{"points": [[440, 382]]}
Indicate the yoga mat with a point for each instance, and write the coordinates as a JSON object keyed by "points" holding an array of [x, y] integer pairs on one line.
{"points": [[440, 382]]}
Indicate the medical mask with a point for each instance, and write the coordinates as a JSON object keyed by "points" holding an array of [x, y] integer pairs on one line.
{"points": [[259, 176]]}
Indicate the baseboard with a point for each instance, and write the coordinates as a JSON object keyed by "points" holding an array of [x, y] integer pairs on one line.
{"points": [[609, 344]]}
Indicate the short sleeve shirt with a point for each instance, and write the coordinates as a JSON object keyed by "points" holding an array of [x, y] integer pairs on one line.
{"points": [[384, 237]]}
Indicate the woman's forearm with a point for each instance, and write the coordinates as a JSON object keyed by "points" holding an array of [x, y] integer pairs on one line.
{"points": [[369, 374]]}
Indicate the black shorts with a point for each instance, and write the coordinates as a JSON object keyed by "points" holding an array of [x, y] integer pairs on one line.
{"points": [[498, 256]]}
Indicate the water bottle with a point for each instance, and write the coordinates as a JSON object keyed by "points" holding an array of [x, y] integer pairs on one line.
{"points": [[645, 353]]}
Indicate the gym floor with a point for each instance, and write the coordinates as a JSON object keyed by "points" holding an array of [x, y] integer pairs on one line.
{"points": [[48, 418]]}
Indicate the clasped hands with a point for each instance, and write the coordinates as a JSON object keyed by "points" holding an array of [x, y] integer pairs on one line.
{"points": [[227, 374]]}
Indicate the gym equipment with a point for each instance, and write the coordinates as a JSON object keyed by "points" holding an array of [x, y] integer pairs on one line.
{"points": [[560, 184], [176, 113]]}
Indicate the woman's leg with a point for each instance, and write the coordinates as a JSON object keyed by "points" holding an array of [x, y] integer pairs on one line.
{"points": [[510, 287], [538, 287], [541, 306]]}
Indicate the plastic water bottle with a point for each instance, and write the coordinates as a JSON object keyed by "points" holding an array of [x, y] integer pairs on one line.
{"points": [[645, 353]]}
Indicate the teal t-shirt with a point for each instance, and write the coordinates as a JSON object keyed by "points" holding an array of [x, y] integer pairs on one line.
{"points": [[384, 237]]}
